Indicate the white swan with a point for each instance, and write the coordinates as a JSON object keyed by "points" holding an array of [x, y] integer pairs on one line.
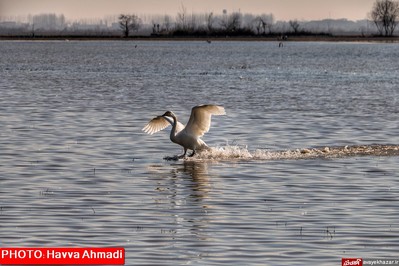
{"points": [[187, 136]]}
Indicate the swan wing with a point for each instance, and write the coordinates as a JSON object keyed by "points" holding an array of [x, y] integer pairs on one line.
{"points": [[159, 123], [200, 119], [179, 127]]}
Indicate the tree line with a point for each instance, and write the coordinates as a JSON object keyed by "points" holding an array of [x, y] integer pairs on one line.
{"points": [[384, 14], [207, 24], [382, 20]]}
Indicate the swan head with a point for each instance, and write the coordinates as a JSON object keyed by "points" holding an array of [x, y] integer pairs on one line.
{"points": [[169, 113]]}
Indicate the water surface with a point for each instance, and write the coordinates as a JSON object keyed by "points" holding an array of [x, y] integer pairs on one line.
{"points": [[76, 169]]}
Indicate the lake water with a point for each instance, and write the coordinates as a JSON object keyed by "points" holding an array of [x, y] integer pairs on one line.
{"points": [[286, 183]]}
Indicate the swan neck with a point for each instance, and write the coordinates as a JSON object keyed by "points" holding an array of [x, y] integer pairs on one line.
{"points": [[173, 131]]}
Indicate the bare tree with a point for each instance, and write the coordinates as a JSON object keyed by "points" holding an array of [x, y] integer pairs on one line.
{"points": [[257, 23], [192, 25], [294, 25], [385, 14], [181, 19], [167, 23], [129, 23], [232, 22], [210, 19], [263, 22], [269, 20]]}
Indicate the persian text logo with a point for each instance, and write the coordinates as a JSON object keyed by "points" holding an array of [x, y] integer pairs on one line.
{"points": [[352, 262]]}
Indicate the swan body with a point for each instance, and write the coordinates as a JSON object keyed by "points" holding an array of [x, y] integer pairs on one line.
{"points": [[189, 136]]}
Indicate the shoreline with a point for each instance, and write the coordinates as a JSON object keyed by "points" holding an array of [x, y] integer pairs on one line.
{"points": [[314, 38]]}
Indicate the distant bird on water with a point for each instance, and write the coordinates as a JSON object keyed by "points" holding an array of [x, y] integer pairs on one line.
{"points": [[187, 136]]}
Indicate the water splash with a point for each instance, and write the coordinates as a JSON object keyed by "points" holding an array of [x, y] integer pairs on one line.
{"points": [[243, 153]]}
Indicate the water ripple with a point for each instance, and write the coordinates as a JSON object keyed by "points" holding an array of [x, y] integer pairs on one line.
{"points": [[301, 172]]}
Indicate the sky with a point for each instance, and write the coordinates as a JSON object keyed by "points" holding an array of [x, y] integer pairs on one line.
{"points": [[281, 9]]}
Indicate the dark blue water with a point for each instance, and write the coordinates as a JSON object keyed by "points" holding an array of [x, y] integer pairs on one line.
{"points": [[76, 169]]}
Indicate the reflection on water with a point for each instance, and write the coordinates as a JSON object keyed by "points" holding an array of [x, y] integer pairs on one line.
{"points": [[76, 169], [199, 174], [195, 172], [183, 189]]}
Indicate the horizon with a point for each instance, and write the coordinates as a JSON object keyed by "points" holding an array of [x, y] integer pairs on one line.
{"points": [[283, 10]]}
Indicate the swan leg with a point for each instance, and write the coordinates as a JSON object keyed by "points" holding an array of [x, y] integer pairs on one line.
{"points": [[183, 155], [192, 154]]}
